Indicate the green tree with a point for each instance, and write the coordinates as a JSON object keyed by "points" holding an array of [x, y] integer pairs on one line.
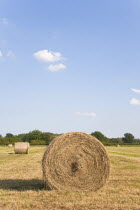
{"points": [[48, 137], [128, 138], [116, 140], [9, 140], [33, 135], [100, 136], [9, 135], [38, 142]]}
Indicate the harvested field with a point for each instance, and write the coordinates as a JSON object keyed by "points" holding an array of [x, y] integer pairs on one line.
{"points": [[21, 185]]}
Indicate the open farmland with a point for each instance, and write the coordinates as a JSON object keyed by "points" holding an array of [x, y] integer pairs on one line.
{"points": [[21, 184]]}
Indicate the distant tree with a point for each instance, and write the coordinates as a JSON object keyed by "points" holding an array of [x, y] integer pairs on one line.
{"points": [[137, 141], [21, 136], [100, 136], [128, 138], [2, 141], [37, 136], [9, 135], [9, 140], [0, 136], [116, 140], [33, 135], [48, 137], [38, 142]]}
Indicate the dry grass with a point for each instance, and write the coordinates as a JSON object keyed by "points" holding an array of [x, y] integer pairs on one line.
{"points": [[21, 183]]}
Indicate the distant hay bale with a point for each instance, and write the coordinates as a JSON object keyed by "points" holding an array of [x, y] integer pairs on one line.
{"points": [[10, 145], [22, 147], [75, 162], [117, 145]]}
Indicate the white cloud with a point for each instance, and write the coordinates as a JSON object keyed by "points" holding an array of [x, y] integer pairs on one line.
{"points": [[56, 67], [10, 54], [87, 114], [135, 90], [48, 56], [135, 101], [1, 54], [4, 21]]}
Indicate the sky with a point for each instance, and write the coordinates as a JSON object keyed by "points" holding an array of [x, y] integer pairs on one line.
{"points": [[70, 66]]}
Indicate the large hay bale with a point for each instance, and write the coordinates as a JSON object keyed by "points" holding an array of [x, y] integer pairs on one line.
{"points": [[75, 162], [22, 147]]}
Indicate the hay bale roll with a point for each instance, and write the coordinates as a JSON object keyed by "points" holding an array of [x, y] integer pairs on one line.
{"points": [[22, 147], [117, 145], [75, 162], [10, 145]]}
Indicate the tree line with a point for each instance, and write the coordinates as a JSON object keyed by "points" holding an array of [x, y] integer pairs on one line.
{"points": [[34, 137], [128, 138], [37, 137]]}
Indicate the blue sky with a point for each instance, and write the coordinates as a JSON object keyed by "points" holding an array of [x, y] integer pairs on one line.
{"points": [[70, 66]]}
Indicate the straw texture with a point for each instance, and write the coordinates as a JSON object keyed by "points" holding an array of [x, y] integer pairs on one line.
{"points": [[22, 147], [75, 162]]}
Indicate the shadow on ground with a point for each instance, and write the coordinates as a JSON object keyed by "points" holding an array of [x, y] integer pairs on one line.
{"points": [[21, 185]]}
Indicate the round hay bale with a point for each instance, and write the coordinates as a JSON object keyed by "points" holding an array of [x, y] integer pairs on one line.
{"points": [[117, 145], [75, 162], [22, 147], [10, 145]]}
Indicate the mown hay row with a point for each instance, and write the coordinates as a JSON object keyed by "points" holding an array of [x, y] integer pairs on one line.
{"points": [[75, 162]]}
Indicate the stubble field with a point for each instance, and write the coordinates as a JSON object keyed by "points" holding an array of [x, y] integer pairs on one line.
{"points": [[21, 184]]}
